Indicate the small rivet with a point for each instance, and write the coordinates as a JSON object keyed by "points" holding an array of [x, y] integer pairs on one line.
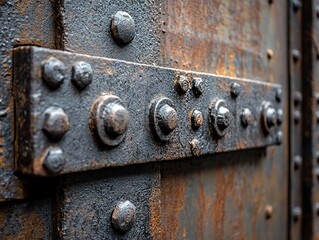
{"points": [[297, 162], [197, 119], [317, 116], [317, 209], [198, 86], [278, 94], [53, 72], [182, 84], [297, 98], [295, 55], [82, 73], [280, 116], [56, 123], [279, 137], [317, 11], [123, 27], [270, 53], [296, 5], [317, 98], [246, 117], [195, 148], [268, 211], [317, 173], [54, 160], [296, 214], [297, 116], [123, 216], [235, 89]]}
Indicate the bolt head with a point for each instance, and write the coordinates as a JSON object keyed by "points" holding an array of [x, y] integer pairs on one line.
{"points": [[270, 53], [297, 162], [246, 117], [82, 73], [56, 123], [280, 116], [195, 147], [296, 213], [297, 98], [116, 119], [123, 27], [197, 119], [278, 94], [296, 5], [271, 116], [235, 89], [53, 72], [268, 211], [295, 55], [123, 216], [54, 161], [198, 86], [224, 117], [297, 116], [279, 137], [182, 84], [167, 118]]}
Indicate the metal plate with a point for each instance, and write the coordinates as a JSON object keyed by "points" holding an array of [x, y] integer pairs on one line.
{"points": [[137, 85]]}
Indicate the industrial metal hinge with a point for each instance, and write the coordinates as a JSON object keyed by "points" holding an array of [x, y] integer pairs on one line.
{"points": [[77, 112]]}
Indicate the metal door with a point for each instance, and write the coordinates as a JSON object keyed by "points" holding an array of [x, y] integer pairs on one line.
{"points": [[158, 119]]}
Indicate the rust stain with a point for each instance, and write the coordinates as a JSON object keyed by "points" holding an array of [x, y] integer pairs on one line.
{"points": [[155, 211]]}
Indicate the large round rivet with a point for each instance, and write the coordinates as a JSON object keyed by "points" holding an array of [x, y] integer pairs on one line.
{"points": [[124, 215], [220, 117], [56, 123], [123, 27], [268, 116], [163, 118], [54, 160], [82, 73], [53, 72], [110, 119]]}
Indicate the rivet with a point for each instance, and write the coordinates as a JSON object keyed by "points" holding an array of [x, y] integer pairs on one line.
{"points": [[317, 208], [296, 5], [198, 86], [167, 118], [317, 11], [268, 116], [317, 98], [296, 214], [297, 116], [235, 89], [246, 117], [56, 123], [317, 116], [182, 84], [297, 162], [278, 94], [297, 98], [110, 119], [195, 147], [197, 119], [53, 72], [268, 211], [123, 27], [270, 53], [317, 173], [54, 160], [280, 116], [124, 215], [279, 137], [317, 156], [82, 73], [295, 55]]}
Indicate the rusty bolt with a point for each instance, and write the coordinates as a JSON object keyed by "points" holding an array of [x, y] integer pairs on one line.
{"points": [[56, 123], [296, 5], [195, 147], [167, 117], [235, 89], [295, 55], [54, 160], [297, 116], [296, 213], [198, 86], [182, 84], [116, 119], [124, 215], [197, 119], [278, 94], [53, 72], [82, 73], [297, 162], [268, 211], [271, 116], [280, 116], [123, 27], [246, 117], [224, 117], [297, 98], [270, 53], [220, 116]]}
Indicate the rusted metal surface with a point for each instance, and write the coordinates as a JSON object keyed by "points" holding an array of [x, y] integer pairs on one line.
{"points": [[49, 117], [22, 22], [87, 201]]}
